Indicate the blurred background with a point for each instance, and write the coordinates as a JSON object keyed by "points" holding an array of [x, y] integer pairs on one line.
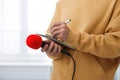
{"points": [[18, 19]]}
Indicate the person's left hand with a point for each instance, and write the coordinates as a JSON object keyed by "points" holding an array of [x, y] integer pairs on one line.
{"points": [[60, 30]]}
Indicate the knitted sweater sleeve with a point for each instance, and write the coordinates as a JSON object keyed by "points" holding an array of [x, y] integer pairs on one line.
{"points": [[105, 45]]}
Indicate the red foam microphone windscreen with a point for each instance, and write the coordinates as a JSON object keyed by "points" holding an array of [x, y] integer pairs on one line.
{"points": [[34, 41]]}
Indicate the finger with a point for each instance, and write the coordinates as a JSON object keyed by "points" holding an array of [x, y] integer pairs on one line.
{"points": [[44, 48], [51, 46], [58, 50], [59, 34], [56, 28], [55, 49], [56, 33]]}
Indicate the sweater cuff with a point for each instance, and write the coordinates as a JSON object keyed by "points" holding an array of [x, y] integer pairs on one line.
{"points": [[72, 38]]}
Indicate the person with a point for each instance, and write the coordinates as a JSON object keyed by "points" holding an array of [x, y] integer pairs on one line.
{"points": [[94, 31]]}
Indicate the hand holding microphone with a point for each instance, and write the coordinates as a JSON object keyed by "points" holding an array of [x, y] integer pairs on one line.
{"points": [[52, 49], [34, 41]]}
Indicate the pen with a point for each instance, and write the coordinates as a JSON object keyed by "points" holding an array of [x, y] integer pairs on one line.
{"points": [[67, 21]]}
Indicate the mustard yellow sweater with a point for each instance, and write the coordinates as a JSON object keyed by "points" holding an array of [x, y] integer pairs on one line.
{"points": [[95, 32]]}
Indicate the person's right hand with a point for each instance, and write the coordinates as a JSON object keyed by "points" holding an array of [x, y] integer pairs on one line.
{"points": [[51, 49], [60, 30]]}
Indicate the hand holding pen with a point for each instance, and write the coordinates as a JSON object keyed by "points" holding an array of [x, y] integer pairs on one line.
{"points": [[60, 30]]}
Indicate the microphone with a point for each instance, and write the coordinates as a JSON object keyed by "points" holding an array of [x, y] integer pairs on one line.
{"points": [[35, 42]]}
